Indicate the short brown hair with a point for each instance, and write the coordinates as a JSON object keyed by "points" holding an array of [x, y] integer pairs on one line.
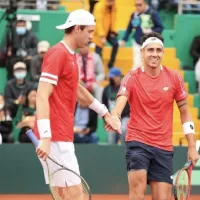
{"points": [[153, 34], [70, 29]]}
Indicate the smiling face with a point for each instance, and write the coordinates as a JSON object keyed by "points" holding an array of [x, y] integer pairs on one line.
{"points": [[152, 55]]}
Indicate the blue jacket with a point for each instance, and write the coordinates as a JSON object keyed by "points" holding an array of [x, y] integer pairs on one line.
{"points": [[136, 21]]}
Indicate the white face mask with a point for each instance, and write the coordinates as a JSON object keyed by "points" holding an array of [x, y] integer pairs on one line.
{"points": [[1, 106], [20, 75]]}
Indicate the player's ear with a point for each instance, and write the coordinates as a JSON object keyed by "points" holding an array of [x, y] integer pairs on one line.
{"points": [[77, 28], [141, 53]]}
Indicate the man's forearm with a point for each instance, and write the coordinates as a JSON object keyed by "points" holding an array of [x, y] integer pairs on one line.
{"points": [[42, 107], [190, 140], [84, 96]]}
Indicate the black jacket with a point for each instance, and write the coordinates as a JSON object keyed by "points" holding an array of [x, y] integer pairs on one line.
{"points": [[13, 91], [195, 49], [28, 42]]}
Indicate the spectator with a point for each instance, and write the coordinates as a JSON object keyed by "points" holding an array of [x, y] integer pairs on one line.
{"points": [[85, 125], [36, 62], [47, 5], [92, 4], [5, 122], [109, 99], [144, 20], [105, 14], [91, 71], [195, 50], [24, 46], [27, 116], [16, 88], [195, 53]]}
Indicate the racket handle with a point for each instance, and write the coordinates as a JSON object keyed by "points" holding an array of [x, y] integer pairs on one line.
{"points": [[188, 163], [33, 138]]}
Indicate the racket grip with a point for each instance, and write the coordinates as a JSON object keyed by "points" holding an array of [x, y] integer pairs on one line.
{"points": [[188, 163], [33, 138]]}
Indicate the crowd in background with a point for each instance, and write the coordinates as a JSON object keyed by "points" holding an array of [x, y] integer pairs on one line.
{"points": [[24, 60]]}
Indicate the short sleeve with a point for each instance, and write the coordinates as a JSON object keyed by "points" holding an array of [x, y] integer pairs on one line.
{"points": [[126, 86], [180, 91], [54, 62]]}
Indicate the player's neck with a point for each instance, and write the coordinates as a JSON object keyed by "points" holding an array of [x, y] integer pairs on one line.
{"points": [[152, 71], [69, 41]]}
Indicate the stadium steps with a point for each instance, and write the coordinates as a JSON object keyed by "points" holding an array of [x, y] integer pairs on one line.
{"points": [[74, 4]]}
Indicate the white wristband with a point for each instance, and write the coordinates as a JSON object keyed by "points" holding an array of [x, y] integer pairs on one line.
{"points": [[98, 107], [188, 127], [44, 128]]}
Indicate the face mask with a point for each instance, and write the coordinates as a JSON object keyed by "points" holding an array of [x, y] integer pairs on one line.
{"points": [[20, 30], [1, 106], [20, 75], [112, 82]]}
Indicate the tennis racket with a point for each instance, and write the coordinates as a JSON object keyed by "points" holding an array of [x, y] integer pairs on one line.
{"points": [[75, 192], [182, 186]]}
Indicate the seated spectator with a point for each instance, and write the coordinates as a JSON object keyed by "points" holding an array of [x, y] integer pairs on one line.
{"points": [[91, 71], [105, 14], [85, 125], [16, 88], [109, 99], [5, 122], [27, 117], [47, 5], [24, 46], [144, 20], [36, 62]]}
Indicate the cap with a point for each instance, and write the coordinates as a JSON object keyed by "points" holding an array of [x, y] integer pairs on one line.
{"points": [[43, 46], [78, 17], [114, 72], [19, 65]]}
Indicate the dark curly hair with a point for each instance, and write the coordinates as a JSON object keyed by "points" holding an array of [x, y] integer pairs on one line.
{"points": [[153, 34]]}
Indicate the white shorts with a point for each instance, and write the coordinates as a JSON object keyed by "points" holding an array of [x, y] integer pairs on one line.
{"points": [[64, 154]]}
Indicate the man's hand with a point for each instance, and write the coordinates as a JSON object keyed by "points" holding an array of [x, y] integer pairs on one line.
{"points": [[122, 43], [43, 148], [103, 40], [113, 123], [193, 155]]}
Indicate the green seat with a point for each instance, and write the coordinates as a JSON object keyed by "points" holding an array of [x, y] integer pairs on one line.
{"points": [[101, 132], [3, 79], [168, 36], [189, 76]]}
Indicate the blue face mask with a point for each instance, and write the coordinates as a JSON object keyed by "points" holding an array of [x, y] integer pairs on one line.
{"points": [[20, 30], [20, 75]]}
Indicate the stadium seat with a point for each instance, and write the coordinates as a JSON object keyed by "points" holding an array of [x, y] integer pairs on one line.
{"points": [[3, 79]]}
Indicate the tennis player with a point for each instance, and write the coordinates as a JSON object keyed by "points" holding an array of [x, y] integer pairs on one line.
{"points": [[151, 91], [57, 94]]}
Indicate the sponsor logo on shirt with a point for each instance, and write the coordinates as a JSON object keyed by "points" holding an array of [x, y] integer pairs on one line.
{"points": [[166, 88]]}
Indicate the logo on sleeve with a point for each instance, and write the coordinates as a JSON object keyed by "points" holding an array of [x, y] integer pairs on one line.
{"points": [[191, 126], [123, 90]]}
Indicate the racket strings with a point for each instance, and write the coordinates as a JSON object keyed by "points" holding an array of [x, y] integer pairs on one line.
{"points": [[76, 192], [182, 187], [65, 184]]}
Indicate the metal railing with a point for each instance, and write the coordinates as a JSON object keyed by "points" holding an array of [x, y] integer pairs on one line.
{"points": [[181, 7]]}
